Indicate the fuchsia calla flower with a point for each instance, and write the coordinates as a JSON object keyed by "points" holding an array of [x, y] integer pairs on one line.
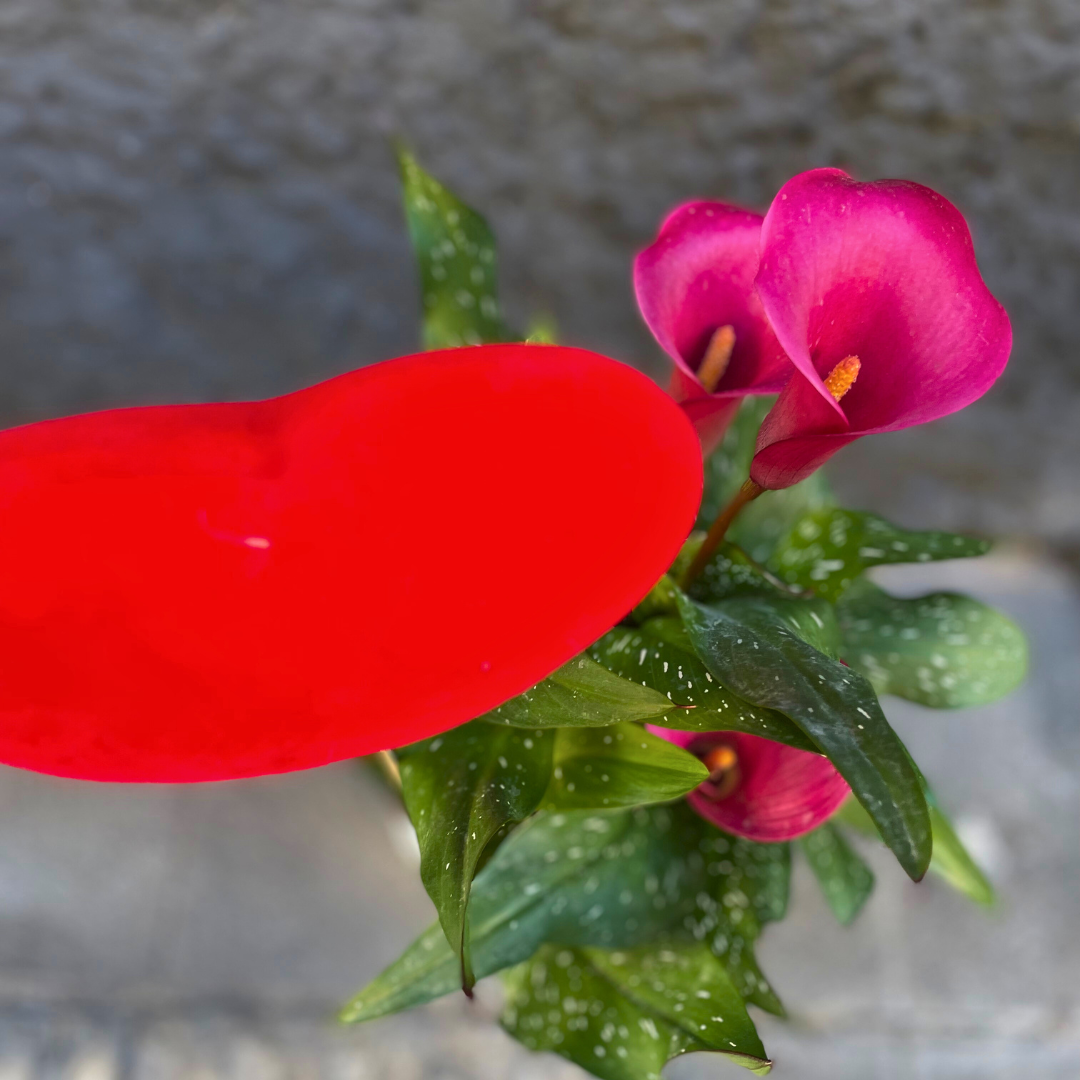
{"points": [[695, 288], [873, 291], [760, 789]]}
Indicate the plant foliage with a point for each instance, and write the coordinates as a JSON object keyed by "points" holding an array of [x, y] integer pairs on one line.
{"points": [[555, 841]]}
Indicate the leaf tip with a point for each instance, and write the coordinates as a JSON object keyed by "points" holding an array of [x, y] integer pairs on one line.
{"points": [[406, 159], [349, 1013], [917, 871]]}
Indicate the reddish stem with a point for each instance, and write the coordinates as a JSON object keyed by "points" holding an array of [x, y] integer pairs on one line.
{"points": [[715, 536]]}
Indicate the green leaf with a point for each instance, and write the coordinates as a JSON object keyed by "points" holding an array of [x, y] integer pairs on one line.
{"points": [[769, 518], [659, 654], [624, 1015], [460, 789], [828, 549], [685, 984], [943, 650], [774, 653], [950, 860], [844, 878], [618, 766], [730, 572], [542, 330], [582, 693], [663, 598], [578, 878], [761, 524], [607, 879], [455, 250], [756, 881]]}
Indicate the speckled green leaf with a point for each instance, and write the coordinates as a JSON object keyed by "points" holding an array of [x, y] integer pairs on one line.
{"points": [[775, 654], [827, 550], [614, 879], [761, 524], [622, 1015], [578, 878], [764, 523], [455, 251], [662, 599], [617, 766], [460, 789], [730, 572], [943, 650], [845, 879], [950, 860], [729, 916], [660, 655], [684, 984], [582, 693]]}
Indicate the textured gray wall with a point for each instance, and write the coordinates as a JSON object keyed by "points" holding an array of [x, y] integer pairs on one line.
{"points": [[197, 199], [210, 931]]}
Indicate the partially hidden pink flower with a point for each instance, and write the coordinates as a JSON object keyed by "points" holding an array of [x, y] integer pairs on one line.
{"points": [[695, 289], [760, 789], [873, 291]]}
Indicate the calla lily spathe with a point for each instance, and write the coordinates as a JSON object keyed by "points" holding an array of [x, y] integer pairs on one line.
{"points": [[695, 290], [760, 789], [873, 291]]}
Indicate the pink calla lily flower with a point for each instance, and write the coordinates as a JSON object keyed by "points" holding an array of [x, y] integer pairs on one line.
{"points": [[760, 789], [873, 291], [695, 289]]}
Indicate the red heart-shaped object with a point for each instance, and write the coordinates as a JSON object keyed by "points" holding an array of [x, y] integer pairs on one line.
{"points": [[200, 592]]}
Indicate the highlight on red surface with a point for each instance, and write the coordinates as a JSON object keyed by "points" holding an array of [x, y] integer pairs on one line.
{"points": [[202, 592], [760, 789]]}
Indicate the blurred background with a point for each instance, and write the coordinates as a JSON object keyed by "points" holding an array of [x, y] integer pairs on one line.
{"points": [[198, 201]]}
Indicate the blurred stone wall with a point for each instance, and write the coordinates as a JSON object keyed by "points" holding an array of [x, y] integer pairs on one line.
{"points": [[197, 198]]}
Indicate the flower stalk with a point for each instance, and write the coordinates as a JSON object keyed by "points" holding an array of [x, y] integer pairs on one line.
{"points": [[718, 530]]}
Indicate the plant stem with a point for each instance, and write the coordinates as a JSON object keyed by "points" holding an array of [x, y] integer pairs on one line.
{"points": [[388, 766], [715, 537]]}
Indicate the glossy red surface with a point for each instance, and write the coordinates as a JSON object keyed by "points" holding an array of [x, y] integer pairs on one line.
{"points": [[210, 591]]}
